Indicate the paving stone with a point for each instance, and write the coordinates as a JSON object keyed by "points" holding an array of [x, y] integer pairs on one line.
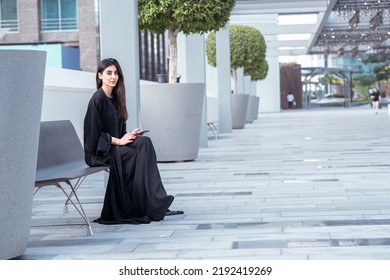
{"points": [[297, 185]]}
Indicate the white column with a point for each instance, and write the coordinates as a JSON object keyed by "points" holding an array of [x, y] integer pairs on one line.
{"points": [[247, 85], [223, 74], [211, 81], [254, 88], [192, 68], [119, 40], [240, 80], [269, 89]]}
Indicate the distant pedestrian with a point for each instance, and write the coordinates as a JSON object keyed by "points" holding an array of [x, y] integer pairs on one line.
{"points": [[290, 100], [376, 99], [370, 92]]}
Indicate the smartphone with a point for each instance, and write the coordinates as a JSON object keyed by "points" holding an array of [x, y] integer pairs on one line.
{"points": [[142, 132]]}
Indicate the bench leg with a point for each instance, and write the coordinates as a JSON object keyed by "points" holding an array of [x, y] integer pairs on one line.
{"points": [[89, 231], [74, 200], [213, 129], [76, 204], [74, 188], [70, 198]]}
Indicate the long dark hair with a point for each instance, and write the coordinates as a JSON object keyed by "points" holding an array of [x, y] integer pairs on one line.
{"points": [[119, 92]]}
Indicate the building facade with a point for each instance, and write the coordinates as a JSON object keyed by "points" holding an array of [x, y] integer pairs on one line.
{"points": [[72, 26], [70, 23]]}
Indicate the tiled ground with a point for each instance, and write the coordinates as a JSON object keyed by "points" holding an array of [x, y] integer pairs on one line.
{"points": [[295, 185]]}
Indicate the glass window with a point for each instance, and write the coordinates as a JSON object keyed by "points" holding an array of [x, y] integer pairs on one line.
{"points": [[9, 15], [59, 15]]}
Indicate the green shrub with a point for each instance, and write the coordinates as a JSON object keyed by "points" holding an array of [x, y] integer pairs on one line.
{"points": [[247, 51], [187, 16]]}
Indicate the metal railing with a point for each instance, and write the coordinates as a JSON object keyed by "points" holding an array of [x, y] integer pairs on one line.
{"points": [[58, 24], [13, 25]]}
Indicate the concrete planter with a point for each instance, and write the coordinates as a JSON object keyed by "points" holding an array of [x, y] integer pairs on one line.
{"points": [[256, 108], [173, 114], [239, 109], [22, 76], [253, 108]]}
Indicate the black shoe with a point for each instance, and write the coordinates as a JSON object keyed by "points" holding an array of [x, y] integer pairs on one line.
{"points": [[173, 212]]}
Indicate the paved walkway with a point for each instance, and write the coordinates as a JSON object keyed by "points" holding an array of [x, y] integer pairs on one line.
{"points": [[296, 185]]}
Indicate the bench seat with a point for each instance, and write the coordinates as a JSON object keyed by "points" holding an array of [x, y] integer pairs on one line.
{"points": [[61, 163], [65, 172]]}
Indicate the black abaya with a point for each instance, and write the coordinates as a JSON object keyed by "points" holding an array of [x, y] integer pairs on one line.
{"points": [[135, 193]]}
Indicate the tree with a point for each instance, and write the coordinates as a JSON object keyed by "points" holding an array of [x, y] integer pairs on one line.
{"points": [[331, 79], [247, 50], [364, 80], [382, 72], [187, 16], [380, 57]]}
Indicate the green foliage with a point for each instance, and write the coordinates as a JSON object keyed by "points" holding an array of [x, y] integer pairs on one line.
{"points": [[259, 72], [362, 84], [211, 49], [380, 57], [247, 50], [363, 90], [364, 81], [188, 16], [382, 72], [331, 79]]}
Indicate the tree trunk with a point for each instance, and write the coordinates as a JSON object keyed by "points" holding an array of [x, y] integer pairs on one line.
{"points": [[234, 74], [172, 33]]}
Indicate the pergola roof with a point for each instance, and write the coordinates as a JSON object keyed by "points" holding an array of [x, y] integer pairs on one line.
{"points": [[342, 25], [310, 72], [355, 26]]}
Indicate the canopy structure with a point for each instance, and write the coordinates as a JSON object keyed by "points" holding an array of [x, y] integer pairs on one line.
{"points": [[355, 26], [342, 26], [308, 73], [296, 33]]}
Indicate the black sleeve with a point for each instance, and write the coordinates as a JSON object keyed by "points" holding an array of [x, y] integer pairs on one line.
{"points": [[96, 140], [124, 131]]}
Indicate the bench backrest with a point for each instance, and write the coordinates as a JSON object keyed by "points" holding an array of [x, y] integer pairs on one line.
{"points": [[58, 144]]}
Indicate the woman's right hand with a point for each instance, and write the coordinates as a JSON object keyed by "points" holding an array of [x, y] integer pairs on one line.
{"points": [[127, 138]]}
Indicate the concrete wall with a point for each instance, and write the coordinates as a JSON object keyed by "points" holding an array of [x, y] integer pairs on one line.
{"points": [[66, 96], [85, 38]]}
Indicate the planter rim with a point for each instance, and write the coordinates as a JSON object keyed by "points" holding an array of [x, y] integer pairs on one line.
{"points": [[168, 84], [19, 51]]}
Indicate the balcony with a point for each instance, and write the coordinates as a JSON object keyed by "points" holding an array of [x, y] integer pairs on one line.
{"points": [[59, 24]]}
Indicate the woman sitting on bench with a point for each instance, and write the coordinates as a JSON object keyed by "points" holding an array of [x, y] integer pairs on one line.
{"points": [[135, 193]]}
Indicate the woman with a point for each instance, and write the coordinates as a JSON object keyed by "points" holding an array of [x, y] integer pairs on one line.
{"points": [[376, 99], [135, 193]]}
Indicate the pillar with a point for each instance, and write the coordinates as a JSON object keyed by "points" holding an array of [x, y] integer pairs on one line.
{"points": [[223, 78], [119, 40], [192, 68]]}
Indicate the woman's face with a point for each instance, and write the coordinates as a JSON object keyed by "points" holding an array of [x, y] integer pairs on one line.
{"points": [[109, 77]]}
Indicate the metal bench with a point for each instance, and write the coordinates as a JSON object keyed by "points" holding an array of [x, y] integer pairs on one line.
{"points": [[61, 163], [212, 115], [213, 128]]}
